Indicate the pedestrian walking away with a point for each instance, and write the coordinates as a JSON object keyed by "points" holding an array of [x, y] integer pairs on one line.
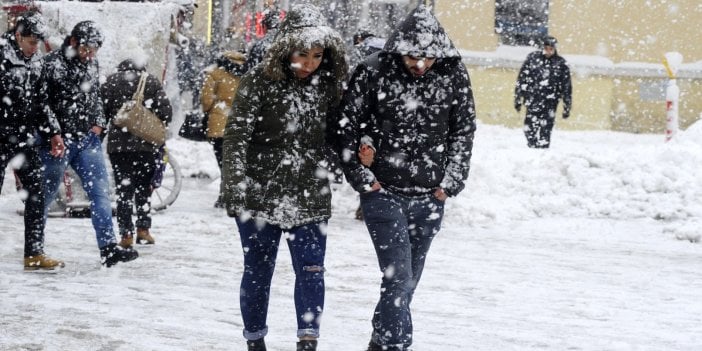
{"points": [[543, 80], [274, 168], [134, 160], [406, 130], [70, 93], [20, 66]]}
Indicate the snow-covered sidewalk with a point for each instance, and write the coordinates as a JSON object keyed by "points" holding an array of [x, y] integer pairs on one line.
{"points": [[530, 272]]}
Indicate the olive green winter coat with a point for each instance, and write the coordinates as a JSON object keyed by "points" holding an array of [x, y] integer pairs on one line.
{"points": [[274, 164]]}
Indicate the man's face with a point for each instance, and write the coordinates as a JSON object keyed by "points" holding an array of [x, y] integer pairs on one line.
{"points": [[549, 51], [418, 66], [29, 45], [87, 53]]}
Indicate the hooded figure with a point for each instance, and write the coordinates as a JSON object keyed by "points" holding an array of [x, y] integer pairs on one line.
{"points": [[274, 176], [406, 130], [543, 80]]}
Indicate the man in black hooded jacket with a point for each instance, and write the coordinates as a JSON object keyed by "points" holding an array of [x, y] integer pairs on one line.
{"points": [[543, 79], [20, 64], [406, 131]]}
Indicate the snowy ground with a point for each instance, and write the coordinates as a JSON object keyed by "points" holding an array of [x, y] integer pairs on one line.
{"points": [[588, 246]]}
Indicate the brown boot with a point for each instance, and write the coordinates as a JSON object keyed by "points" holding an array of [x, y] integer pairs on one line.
{"points": [[144, 237], [42, 263], [127, 240]]}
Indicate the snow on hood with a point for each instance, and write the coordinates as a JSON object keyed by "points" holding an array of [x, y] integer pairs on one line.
{"points": [[421, 35]]}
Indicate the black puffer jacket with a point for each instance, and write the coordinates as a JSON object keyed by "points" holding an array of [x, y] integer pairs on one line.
{"points": [[70, 92], [118, 89], [421, 127], [542, 81], [19, 76]]}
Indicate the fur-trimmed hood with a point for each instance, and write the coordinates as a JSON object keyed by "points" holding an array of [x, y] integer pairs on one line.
{"points": [[303, 28], [421, 35]]}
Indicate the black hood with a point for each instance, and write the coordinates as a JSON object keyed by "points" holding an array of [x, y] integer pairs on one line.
{"points": [[421, 35], [130, 65]]}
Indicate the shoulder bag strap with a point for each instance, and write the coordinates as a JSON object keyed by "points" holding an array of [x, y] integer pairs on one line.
{"points": [[139, 93]]}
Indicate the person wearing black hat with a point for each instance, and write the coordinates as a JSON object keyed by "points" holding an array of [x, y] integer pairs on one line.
{"points": [[70, 93], [406, 131], [543, 79], [20, 64]]}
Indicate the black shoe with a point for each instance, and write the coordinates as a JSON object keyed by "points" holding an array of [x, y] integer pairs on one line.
{"points": [[219, 203], [113, 254], [374, 347], [307, 345], [256, 345], [359, 213]]}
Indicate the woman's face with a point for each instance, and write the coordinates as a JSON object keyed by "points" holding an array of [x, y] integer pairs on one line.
{"points": [[305, 62]]}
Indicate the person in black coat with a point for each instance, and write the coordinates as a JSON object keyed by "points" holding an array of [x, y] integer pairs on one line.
{"points": [[134, 161], [543, 79], [20, 65], [406, 131]]}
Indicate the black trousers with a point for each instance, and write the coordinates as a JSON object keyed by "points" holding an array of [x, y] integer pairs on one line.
{"points": [[133, 172], [538, 125], [30, 174]]}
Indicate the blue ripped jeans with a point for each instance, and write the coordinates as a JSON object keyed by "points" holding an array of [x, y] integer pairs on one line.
{"points": [[85, 157], [307, 245], [402, 229]]}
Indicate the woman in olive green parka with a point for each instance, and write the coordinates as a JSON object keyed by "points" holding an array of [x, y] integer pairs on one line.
{"points": [[274, 176]]}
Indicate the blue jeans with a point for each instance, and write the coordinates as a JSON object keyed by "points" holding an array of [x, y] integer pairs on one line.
{"points": [[86, 158], [402, 229], [307, 245]]}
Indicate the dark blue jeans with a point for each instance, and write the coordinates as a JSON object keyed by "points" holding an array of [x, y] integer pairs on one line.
{"points": [[402, 229], [307, 245]]}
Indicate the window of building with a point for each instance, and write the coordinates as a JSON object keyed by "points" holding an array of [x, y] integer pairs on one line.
{"points": [[519, 22]]}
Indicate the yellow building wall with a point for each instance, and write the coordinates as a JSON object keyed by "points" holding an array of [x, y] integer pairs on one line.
{"points": [[631, 113], [469, 24], [634, 31]]}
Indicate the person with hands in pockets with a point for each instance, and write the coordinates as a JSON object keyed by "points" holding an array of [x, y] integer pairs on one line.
{"points": [[406, 129]]}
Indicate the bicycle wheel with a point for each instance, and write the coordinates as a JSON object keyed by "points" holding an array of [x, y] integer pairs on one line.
{"points": [[167, 193]]}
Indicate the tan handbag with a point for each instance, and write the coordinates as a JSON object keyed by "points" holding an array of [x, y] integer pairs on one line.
{"points": [[139, 120]]}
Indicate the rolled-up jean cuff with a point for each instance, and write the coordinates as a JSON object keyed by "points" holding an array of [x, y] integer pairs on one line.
{"points": [[308, 332], [255, 335]]}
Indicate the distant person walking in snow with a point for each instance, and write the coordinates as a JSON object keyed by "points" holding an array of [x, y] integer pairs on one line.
{"points": [[70, 93], [407, 123], [134, 161], [543, 79], [218, 90], [274, 168], [20, 65]]}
